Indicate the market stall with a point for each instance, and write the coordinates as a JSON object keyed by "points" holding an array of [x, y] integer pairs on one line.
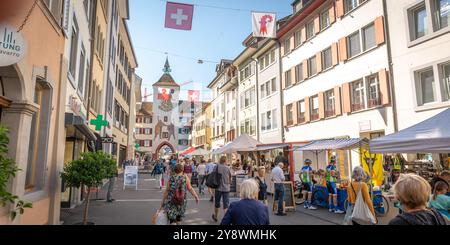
{"points": [[329, 146], [426, 144], [266, 155], [243, 145]]}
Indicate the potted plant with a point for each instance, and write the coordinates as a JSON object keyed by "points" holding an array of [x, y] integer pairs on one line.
{"points": [[8, 170], [89, 171]]}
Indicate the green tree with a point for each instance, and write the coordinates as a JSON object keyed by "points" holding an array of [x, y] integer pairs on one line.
{"points": [[89, 171], [8, 170]]}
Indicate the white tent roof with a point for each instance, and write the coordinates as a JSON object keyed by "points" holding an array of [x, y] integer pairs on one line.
{"points": [[242, 143], [430, 136], [200, 152]]}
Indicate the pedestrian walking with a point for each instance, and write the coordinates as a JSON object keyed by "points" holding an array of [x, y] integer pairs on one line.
{"points": [[262, 186], [201, 171], [174, 201], [247, 211], [359, 186], [188, 170], [278, 179], [413, 192], [209, 169], [111, 187], [224, 188], [158, 172]]}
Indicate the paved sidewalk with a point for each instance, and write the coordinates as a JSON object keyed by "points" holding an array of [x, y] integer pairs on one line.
{"points": [[136, 207]]}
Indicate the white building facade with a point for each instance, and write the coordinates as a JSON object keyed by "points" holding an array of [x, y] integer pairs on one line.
{"points": [[335, 75]]}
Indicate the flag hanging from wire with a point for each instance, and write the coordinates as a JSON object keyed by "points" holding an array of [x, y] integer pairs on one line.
{"points": [[179, 16], [193, 96], [264, 24]]}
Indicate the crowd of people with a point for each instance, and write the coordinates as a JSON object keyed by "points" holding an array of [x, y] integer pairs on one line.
{"points": [[421, 203]]}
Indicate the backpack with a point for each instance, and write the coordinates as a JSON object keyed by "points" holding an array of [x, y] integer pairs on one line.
{"points": [[213, 180], [178, 198]]}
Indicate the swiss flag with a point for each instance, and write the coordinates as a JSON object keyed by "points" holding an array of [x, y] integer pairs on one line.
{"points": [[193, 96], [179, 16]]}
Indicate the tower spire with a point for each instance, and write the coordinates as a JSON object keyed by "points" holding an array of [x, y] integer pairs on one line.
{"points": [[167, 69]]}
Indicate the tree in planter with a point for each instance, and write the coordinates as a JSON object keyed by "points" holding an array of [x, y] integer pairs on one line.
{"points": [[8, 170], [89, 171]]}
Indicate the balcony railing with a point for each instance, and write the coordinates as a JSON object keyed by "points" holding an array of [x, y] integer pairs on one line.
{"points": [[374, 102], [358, 107], [330, 113]]}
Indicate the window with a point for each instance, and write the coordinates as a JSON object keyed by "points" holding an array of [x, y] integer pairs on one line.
{"points": [[358, 95], [247, 71], [248, 98], [287, 46], [314, 108], [330, 103], [324, 20], [289, 114], [147, 131], [165, 119], [349, 5], [73, 48], [299, 73], [55, 8], [268, 88], [312, 66], [442, 13], [418, 15], [354, 45], [37, 149], [248, 126], [298, 38], [327, 61], [310, 32], [369, 40], [267, 60], [146, 143], [287, 79], [301, 111], [446, 81], [268, 120], [81, 71], [373, 86], [165, 135], [427, 87]]}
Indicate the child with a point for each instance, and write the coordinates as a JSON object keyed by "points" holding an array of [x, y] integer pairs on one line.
{"points": [[440, 201]]}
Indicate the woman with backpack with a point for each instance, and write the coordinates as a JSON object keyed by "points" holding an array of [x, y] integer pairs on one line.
{"points": [[174, 200]]}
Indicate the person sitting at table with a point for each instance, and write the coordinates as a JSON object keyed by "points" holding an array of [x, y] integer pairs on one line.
{"points": [[305, 175], [331, 178]]}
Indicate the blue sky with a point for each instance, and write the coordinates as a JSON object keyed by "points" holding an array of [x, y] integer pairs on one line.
{"points": [[216, 34]]}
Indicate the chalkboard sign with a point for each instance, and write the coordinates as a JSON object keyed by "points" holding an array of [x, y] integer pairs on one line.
{"points": [[289, 202]]}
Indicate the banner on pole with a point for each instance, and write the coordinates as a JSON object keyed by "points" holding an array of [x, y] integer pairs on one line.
{"points": [[264, 25]]}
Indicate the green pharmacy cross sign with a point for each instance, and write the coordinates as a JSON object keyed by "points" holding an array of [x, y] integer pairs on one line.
{"points": [[99, 123], [136, 146]]}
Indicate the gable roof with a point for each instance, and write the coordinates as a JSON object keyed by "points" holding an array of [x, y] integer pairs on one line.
{"points": [[166, 80]]}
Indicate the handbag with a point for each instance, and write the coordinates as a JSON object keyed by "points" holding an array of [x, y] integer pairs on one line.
{"points": [[160, 218], [361, 211], [213, 180], [348, 215]]}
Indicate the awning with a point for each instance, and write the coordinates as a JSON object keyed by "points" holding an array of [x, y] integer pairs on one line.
{"points": [[336, 144], [80, 124], [429, 136], [187, 151], [243, 143], [271, 147]]}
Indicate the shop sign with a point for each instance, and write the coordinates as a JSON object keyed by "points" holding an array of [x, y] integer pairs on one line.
{"points": [[77, 108], [107, 140], [12, 45], [365, 126]]}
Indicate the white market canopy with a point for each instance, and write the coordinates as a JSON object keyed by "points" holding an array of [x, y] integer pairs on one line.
{"points": [[200, 152], [430, 136], [335, 144], [243, 143]]}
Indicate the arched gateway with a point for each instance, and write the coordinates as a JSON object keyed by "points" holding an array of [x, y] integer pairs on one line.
{"points": [[164, 149]]}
